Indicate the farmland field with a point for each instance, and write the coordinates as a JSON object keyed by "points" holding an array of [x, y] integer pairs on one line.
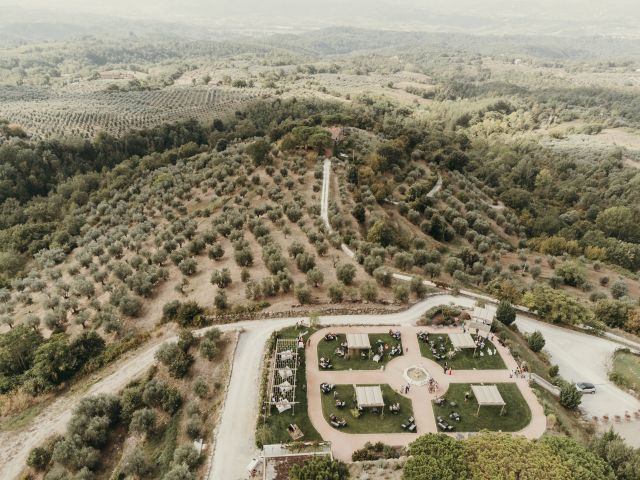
{"points": [[45, 112]]}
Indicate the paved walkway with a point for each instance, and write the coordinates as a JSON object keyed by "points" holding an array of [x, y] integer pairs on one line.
{"points": [[343, 444]]}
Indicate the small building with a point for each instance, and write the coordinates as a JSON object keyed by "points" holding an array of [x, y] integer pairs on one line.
{"points": [[369, 396], [488, 396], [357, 342], [462, 340]]}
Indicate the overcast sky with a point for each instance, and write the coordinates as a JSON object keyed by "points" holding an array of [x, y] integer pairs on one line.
{"points": [[511, 16]]}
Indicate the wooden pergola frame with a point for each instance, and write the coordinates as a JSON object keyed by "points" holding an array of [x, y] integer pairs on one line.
{"points": [[285, 357]]}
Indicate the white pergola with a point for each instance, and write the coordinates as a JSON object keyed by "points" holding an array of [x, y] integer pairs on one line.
{"points": [[369, 396], [487, 396], [483, 315], [282, 376], [479, 326], [358, 341], [462, 340]]}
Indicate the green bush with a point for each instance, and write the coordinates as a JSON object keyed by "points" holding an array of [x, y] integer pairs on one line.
{"points": [[536, 341], [505, 313], [319, 468], [570, 397], [39, 458]]}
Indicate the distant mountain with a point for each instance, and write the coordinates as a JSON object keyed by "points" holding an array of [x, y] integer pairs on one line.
{"points": [[500, 17]]}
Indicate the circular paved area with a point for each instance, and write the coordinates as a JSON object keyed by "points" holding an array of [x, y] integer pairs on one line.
{"points": [[343, 444]]}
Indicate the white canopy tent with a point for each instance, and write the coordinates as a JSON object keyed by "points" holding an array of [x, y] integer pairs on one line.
{"points": [[462, 340], [283, 405], [285, 387], [483, 315], [487, 395], [369, 396], [358, 341], [286, 355]]}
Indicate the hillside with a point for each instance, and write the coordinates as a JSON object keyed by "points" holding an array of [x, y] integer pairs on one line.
{"points": [[161, 188]]}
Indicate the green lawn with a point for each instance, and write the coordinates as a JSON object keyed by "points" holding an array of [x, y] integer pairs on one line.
{"points": [[464, 359], [516, 414], [367, 422], [626, 370], [327, 350], [274, 427]]}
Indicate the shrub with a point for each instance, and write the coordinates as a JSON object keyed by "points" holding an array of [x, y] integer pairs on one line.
{"points": [[135, 464], [39, 458], [346, 273], [336, 293], [221, 278], [130, 306], [215, 251], [383, 276], [186, 454], [220, 300], [179, 472], [505, 313], [401, 293], [188, 266], [612, 312], [369, 291], [177, 361], [208, 348], [571, 274], [374, 451], [570, 397], [418, 287], [143, 421], [305, 262], [536, 341], [319, 467], [302, 293], [315, 277], [194, 427], [619, 289], [200, 388]]}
